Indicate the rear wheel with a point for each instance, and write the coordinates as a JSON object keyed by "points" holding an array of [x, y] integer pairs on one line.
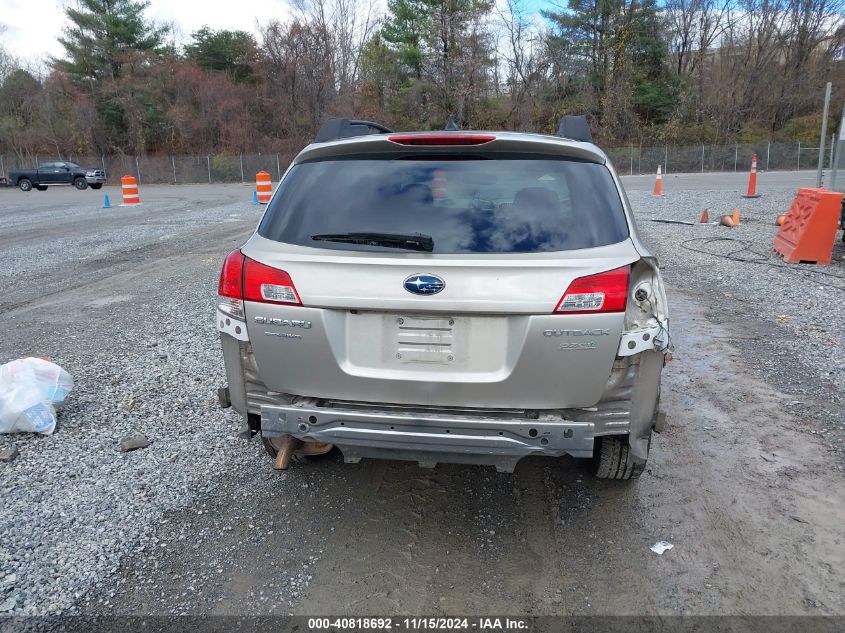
{"points": [[25, 184], [612, 458], [80, 183]]}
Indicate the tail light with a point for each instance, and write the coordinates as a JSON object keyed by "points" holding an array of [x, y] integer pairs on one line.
{"points": [[268, 285], [602, 292], [450, 138], [230, 288], [243, 278]]}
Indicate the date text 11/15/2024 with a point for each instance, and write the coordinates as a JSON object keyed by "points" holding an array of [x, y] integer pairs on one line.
{"points": [[489, 624]]}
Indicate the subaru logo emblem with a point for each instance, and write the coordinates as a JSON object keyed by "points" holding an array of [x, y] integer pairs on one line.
{"points": [[424, 284]]}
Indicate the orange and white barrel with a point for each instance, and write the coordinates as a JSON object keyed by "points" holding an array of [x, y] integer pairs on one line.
{"points": [[130, 191], [263, 187]]}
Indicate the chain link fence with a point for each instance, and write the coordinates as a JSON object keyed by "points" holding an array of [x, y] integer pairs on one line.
{"points": [[233, 168], [634, 159]]}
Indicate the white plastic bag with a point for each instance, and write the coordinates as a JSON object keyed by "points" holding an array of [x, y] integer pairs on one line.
{"points": [[30, 390]]}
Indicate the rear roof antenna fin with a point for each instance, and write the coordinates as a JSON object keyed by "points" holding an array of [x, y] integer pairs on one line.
{"points": [[575, 128], [452, 124]]}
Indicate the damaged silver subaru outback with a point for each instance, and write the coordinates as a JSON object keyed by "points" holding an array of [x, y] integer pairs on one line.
{"points": [[473, 297]]}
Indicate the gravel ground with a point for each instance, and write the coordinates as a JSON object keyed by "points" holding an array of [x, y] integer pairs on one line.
{"points": [[793, 330], [199, 523], [135, 334]]}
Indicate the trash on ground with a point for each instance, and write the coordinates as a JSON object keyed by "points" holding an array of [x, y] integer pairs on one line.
{"points": [[661, 546], [30, 390], [8, 454], [133, 442]]}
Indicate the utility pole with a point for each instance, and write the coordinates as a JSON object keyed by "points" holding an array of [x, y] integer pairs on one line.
{"points": [[838, 154], [823, 134]]}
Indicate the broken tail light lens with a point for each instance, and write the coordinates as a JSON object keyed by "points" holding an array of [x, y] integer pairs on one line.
{"points": [[602, 292], [265, 284]]}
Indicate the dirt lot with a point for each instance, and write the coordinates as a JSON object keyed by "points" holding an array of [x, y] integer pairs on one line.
{"points": [[746, 481]]}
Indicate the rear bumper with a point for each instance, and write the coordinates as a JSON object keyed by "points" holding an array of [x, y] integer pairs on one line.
{"points": [[627, 407], [429, 438]]}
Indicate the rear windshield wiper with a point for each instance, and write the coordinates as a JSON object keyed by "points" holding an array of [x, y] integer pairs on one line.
{"points": [[412, 242]]}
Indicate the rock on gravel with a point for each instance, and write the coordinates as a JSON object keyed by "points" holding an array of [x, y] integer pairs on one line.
{"points": [[9, 454], [133, 442]]}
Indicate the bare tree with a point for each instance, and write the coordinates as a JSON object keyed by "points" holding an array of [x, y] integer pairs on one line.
{"points": [[694, 27], [349, 24], [525, 62], [8, 62]]}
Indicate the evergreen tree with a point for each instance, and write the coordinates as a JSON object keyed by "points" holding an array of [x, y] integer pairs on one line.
{"points": [[446, 53], [408, 27], [654, 89], [618, 50], [232, 52], [107, 45], [101, 34]]}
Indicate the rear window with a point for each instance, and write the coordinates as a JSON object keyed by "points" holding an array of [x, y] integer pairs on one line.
{"points": [[502, 205]]}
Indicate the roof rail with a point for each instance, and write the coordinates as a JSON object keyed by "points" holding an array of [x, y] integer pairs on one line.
{"points": [[335, 129], [575, 128], [452, 124]]}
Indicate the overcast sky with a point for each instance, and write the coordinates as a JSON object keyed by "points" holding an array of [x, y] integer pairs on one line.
{"points": [[33, 26]]}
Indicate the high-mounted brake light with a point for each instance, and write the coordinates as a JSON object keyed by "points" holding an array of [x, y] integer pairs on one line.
{"points": [[602, 292], [452, 138], [265, 284]]}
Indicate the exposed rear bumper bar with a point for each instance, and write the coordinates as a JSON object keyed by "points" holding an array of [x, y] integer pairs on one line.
{"points": [[430, 438]]}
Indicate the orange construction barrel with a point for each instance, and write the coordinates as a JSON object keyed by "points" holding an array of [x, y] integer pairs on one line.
{"points": [[130, 191], [263, 187]]}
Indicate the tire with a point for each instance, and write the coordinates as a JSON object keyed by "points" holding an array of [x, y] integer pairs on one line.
{"points": [[612, 458], [80, 183], [41, 187], [97, 185], [25, 184]]}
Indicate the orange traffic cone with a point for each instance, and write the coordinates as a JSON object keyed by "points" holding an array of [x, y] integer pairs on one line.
{"points": [[705, 217], [780, 219], [658, 184], [727, 220], [752, 179], [735, 216]]}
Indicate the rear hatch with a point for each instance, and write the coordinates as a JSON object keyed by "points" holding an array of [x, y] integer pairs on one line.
{"points": [[436, 279]]}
